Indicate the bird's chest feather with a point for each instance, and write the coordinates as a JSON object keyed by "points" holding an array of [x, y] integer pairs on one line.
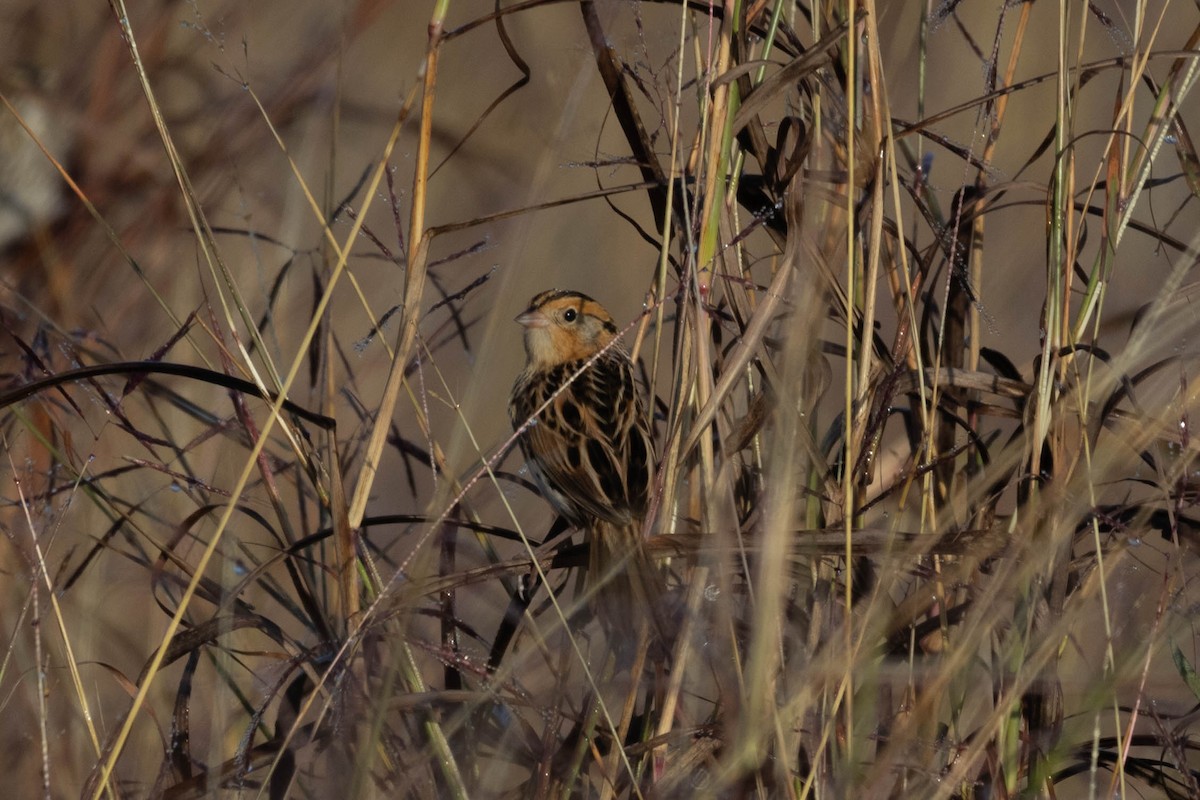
{"points": [[581, 446]]}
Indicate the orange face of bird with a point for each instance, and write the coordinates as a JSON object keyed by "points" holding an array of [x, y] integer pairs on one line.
{"points": [[562, 326]]}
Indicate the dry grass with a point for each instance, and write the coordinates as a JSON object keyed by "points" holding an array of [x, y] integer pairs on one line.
{"points": [[918, 317]]}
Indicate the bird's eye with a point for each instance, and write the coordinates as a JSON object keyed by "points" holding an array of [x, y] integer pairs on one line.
{"points": [[570, 314]]}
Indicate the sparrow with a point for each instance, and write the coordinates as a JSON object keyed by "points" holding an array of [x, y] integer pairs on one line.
{"points": [[591, 450]]}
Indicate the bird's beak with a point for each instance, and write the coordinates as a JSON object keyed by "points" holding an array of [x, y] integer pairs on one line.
{"points": [[533, 319]]}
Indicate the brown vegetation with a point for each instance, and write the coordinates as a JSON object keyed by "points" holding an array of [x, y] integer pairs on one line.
{"points": [[912, 287]]}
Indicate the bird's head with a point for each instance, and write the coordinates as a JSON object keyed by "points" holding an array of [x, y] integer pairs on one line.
{"points": [[564, 326]]}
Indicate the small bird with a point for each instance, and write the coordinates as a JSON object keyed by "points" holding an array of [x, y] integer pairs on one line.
{"points": [[591, 451]]}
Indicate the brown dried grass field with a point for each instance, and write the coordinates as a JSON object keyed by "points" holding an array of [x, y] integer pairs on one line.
{"points": [[913, 289]]}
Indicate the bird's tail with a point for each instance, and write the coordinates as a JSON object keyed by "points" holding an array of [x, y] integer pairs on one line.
{"points": [[625, 586]]}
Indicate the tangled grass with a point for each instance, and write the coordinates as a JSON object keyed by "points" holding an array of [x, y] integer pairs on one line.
{"points": [[917, 320]]}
